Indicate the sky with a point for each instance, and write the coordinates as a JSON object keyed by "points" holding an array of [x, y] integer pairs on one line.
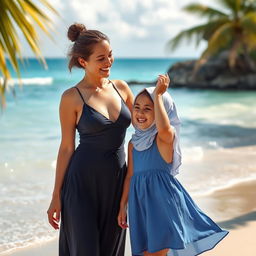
{"points": [[136, 28]]}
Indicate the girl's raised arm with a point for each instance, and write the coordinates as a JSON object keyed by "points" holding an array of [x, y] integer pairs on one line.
{"points": [[165, 131]]}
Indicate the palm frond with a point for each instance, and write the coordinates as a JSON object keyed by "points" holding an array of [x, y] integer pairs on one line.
{"points": [[188, 34], [233, 5], [250, 41], [212, 26], [24, 15], [248, 6], [3, 65], [248, 22], [221, 39], [9, 39], [248, 25], [204, 11], [203, 31], [25, 26]]}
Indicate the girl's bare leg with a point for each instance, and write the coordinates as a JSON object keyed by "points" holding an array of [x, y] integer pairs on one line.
{"points": [[159, 253]]}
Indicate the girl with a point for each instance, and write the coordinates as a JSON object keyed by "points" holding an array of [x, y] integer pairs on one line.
{"points": [[162, 216]]}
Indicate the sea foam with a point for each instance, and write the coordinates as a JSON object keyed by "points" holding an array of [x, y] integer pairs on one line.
{"points": [[30, 81]]}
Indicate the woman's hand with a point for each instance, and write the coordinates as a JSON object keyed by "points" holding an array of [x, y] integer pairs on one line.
{"points": [[54, 212], [122, 218], [162, 84]]}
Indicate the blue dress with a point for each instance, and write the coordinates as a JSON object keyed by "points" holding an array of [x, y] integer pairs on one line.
{"points": [[162, 214]]}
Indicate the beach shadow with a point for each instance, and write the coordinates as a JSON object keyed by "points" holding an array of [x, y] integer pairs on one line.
{"points": [[238, 221]]}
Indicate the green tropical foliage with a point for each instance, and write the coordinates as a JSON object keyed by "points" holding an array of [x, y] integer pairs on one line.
{"points": [[232, 28], [20, 16]]}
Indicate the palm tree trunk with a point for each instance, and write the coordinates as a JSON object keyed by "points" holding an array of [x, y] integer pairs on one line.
{"points": [[232, 58]]}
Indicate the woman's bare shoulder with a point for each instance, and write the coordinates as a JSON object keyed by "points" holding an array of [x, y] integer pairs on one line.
{"points": [[70, 98], [70, 94], [121, 84], [124, 88]]}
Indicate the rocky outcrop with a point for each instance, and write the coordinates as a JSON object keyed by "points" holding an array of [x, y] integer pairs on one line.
{"points": [[214, 74]]}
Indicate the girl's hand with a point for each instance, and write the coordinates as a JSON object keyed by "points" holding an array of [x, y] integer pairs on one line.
{"points": [[162, 84], [122, 218], [54, 212]]}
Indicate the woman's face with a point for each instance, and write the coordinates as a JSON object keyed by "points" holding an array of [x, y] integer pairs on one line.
{"points": [[101, 60], [143, 112]]}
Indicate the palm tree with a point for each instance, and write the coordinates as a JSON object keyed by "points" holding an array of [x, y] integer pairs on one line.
{"points": [[24, 15], [231, 28]]}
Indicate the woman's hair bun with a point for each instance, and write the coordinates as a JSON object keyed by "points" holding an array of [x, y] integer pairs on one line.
{"points": [[75, 30]]}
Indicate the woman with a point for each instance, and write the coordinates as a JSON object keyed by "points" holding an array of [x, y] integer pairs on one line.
{"points": [[89, 179]]}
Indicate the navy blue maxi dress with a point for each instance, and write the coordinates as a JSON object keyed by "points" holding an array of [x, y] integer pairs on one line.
{"points": [[92, 186]]}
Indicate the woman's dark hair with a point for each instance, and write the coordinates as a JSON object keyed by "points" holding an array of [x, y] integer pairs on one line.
{"points": [[84, 41], [144, 92]]}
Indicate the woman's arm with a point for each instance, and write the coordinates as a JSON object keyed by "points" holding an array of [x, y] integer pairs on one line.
{"points": [[122, 222], [67, 145], [66, 149]]}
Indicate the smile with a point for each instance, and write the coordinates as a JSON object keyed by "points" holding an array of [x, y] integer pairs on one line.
{"points": [[141, 120], [105, 69]]}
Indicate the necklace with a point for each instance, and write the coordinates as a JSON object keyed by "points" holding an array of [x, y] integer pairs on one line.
{"points": [[97, 89]]}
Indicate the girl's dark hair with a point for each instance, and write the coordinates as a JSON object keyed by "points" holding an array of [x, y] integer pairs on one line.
{"points": [[144, 92], [84, 41]]}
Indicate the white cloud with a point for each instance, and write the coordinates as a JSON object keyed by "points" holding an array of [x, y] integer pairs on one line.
{"points": [[106, 16], [138, 24], [90, 11], [128, 6], [161, 16], [125, 30], [147, 3]]}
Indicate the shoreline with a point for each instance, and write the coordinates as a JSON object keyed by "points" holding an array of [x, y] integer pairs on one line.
{"points": [[233, 208], [228, 203]]}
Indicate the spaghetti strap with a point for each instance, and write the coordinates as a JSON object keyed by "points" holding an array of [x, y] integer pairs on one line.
{"points": [[80, 93], [117, 90]]}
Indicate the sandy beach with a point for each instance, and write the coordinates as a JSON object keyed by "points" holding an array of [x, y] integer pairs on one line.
{"points": [[234, 209]]}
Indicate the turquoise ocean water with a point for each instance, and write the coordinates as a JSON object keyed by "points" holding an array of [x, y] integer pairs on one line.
{"points": [[218, 140]]}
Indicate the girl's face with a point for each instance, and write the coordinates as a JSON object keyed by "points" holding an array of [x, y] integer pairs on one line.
{"points": [[143, 112], [100, 61]]}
